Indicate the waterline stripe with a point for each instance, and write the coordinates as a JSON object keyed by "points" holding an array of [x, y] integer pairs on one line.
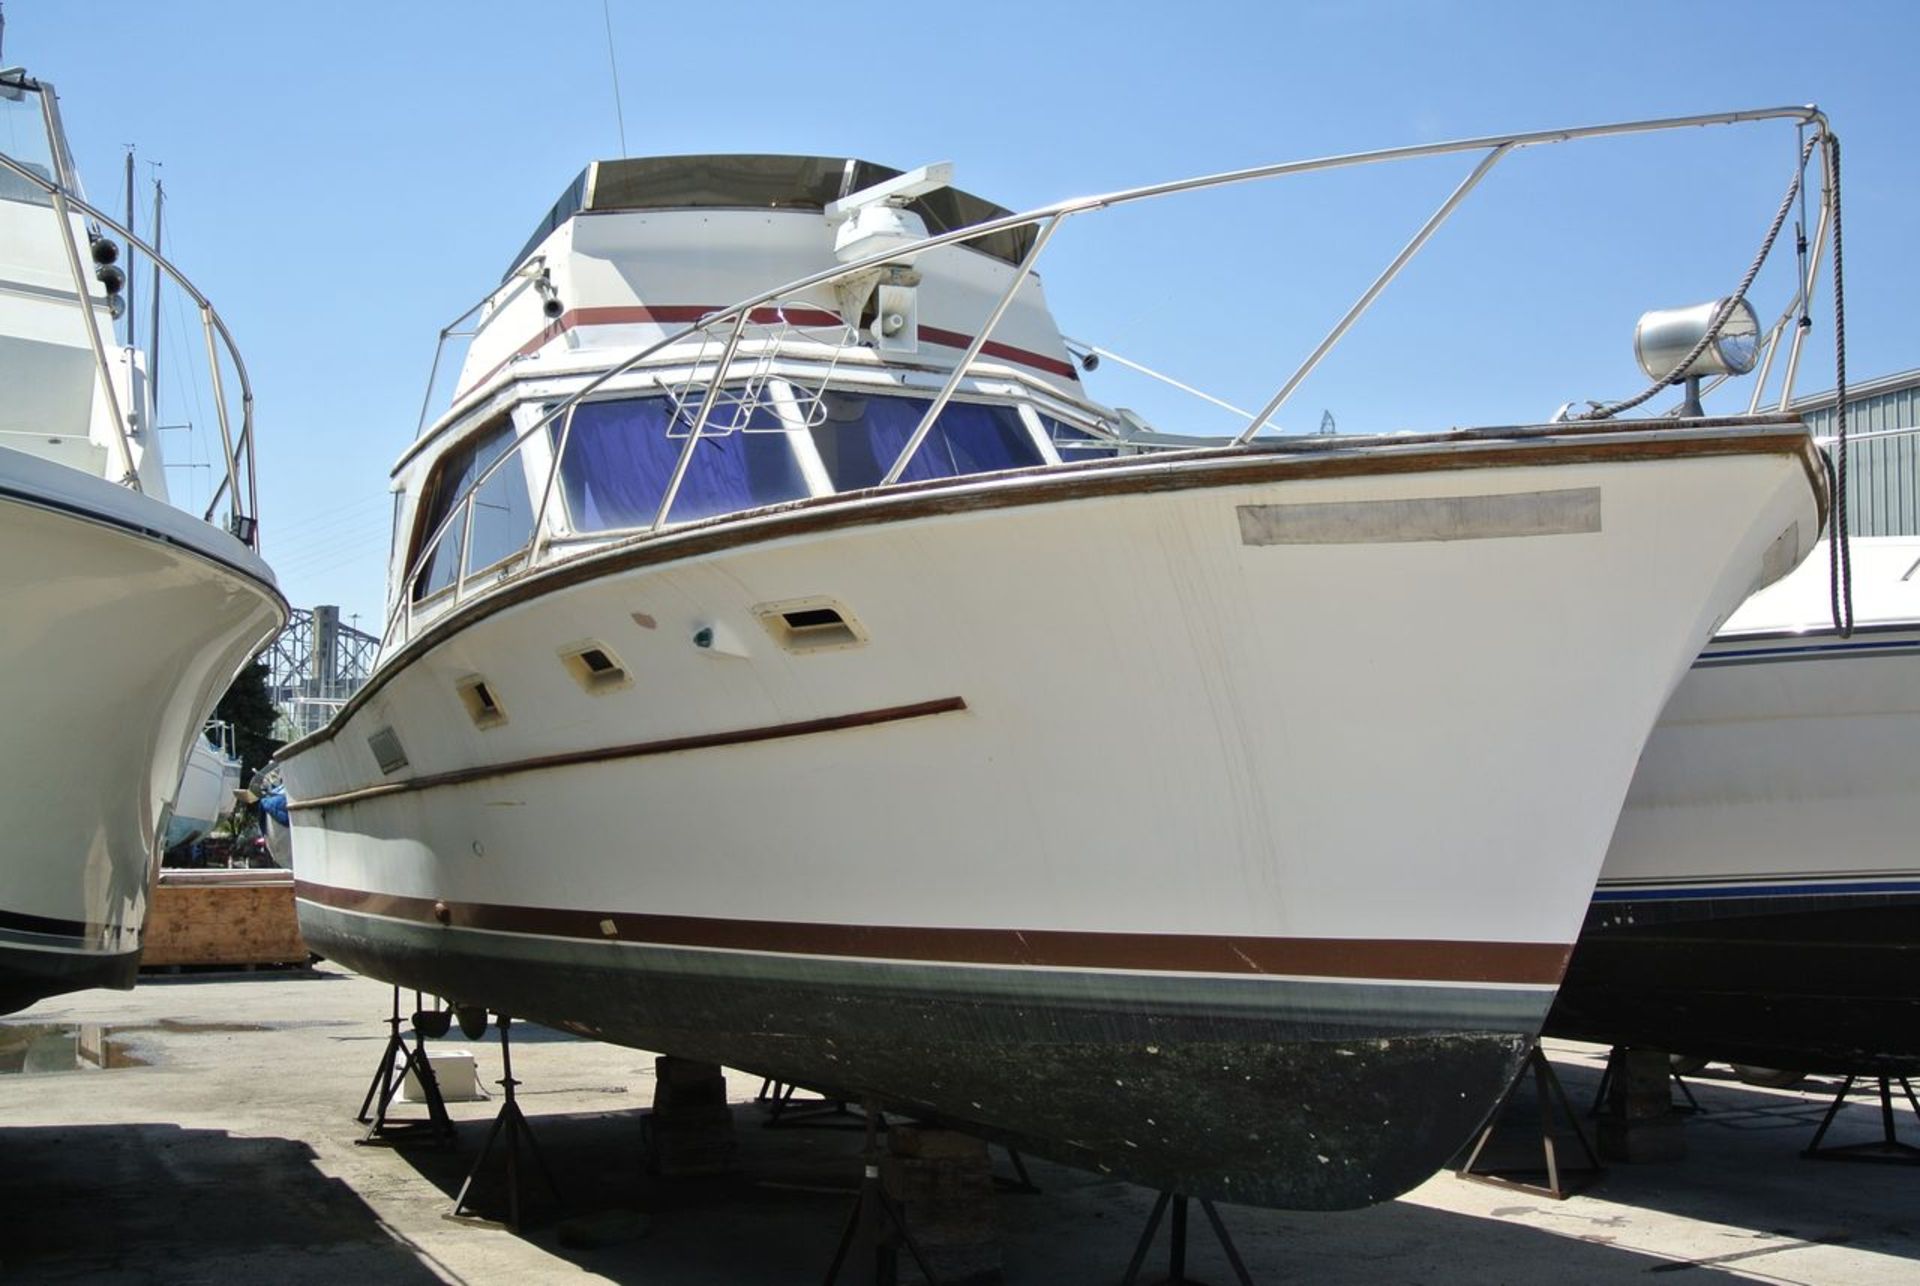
{"points": [[1230, 956]]}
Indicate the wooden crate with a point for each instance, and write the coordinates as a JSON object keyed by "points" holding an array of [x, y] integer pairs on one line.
{"points": [[223, 918]]}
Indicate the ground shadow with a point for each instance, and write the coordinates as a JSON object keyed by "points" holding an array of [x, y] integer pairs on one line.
{"points": [[153, 1202], [779, 1218], [1743, 1166], [198, 975]]}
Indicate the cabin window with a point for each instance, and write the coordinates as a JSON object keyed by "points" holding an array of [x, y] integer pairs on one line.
{"points": [[1077, 444], [862, 434], [502, 510], [620, 455]]}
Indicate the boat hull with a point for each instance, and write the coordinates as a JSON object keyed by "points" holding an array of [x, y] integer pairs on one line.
{"points": [[1760, 902], [207, 784], [1084, 844], [1191, 1088], [117, 641]]}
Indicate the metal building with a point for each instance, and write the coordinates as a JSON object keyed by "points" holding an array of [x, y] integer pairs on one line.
{"points": [[313, 666], [1883, 454]]}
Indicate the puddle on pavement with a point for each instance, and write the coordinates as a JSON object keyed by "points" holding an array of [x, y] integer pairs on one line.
{"points": [[179, 1028], [34, 1049]]}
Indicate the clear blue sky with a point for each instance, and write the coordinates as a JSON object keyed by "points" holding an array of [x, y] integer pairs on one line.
{"points": [[346, 177]]}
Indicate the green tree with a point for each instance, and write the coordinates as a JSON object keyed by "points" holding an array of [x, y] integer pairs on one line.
{"points": [[249, 708]]}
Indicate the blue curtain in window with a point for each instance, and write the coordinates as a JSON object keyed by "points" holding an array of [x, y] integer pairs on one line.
{"points": [[977, 438], [1076, 444], [617, 463], [620, 456], [863, 435]]}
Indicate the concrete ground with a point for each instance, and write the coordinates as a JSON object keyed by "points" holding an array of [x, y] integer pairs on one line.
{"points": [[225, 1153]]}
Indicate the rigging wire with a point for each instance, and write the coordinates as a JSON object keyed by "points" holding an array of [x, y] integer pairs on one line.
{"points": [[316, 551], [351, 512], [319, 562], [619, 112]]}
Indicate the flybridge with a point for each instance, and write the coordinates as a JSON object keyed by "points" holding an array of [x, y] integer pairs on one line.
{"points": [[763, 182], [637, 250]]}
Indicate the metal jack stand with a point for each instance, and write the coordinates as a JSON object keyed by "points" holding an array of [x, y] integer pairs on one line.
{"points": [[1547, 1089], [513, 1122], [1888, 1149], [1177, 1243], [875, 1230], [437, 1128], [822, 1112], [1022, 1182]]}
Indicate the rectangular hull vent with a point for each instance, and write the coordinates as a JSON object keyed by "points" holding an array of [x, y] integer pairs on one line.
{"points": [[811, 624], [594, 667], [483, 707]]}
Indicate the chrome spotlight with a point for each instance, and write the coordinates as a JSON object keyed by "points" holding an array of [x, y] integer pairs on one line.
{"points": [[1664, 337]]}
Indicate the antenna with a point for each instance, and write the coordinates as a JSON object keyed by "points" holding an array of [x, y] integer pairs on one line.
{"points": [[131, 314], [1327, 428], [619, 112], [153, 338]]}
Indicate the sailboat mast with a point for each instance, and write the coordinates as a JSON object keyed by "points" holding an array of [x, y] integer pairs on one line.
{"points": [[153, 329], [131, 314]]}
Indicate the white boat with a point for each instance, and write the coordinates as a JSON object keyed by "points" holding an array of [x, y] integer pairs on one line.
{"points": [[1760, 902], [858, 703], [125, 617], [207, 786]]}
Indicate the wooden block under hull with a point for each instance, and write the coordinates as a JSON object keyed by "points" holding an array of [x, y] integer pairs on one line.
{"points": [[223, 918]]}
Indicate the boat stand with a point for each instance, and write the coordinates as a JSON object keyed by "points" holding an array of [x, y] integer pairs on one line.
{"points": [[1690, 1108], [1021, 1182], [1177, 1243], [1548, 1090], [875, 1229], [1888, 1149], [821, 1112], [511, 1122], [436, 1128]]}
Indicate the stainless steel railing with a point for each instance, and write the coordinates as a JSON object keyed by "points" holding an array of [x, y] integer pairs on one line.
{"points": [[237, 450], [736, 317]]}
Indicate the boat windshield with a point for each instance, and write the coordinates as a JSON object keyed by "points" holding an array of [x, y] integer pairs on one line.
{"points": [[620, 454], [23, 137]]}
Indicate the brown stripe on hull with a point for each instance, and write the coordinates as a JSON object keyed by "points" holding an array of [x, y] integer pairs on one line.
{"points": [[641, 749], [1392, 959]]}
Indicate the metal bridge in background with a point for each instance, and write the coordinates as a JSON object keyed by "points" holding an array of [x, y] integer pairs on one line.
{"points": [[313, 666]]}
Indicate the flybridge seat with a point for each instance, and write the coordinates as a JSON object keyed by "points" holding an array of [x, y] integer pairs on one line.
{"points": [[763, 183]]}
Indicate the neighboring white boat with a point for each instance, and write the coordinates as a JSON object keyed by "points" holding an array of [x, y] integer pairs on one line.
{"points": [[856, 703], [124, 617], [1761, 899], [207, 786]]}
